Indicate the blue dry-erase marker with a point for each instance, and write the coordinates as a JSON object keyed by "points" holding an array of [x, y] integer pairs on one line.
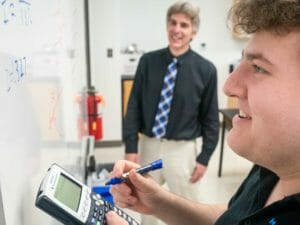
{"points": [[150, 167]]}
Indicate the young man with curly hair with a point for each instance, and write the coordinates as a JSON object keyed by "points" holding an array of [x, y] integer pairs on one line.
{"points": [[266, 131]]}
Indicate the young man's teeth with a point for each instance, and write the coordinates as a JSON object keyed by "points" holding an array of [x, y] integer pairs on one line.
{"points": [[243, 115]]}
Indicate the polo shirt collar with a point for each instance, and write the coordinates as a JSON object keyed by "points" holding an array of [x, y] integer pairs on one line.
{"points": [[180, 58]]}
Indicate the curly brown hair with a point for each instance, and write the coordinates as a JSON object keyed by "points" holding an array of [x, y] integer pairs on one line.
{"points": [[279, 16]]}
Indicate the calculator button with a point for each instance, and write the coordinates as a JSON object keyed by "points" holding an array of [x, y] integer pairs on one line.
{"points": [[101, 217], [111, 207], [100, 201], [93, 220]]}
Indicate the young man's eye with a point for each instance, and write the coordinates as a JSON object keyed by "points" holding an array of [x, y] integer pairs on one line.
{"points": [[258, 69]]}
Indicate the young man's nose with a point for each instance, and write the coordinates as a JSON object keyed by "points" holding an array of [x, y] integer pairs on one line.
{"points": [[233, 86]]}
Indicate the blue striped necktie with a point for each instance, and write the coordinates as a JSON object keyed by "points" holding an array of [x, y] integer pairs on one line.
{"points": [[164, 105]]}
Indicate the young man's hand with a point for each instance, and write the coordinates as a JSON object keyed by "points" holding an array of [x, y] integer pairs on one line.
{"points": [[113, 219]]}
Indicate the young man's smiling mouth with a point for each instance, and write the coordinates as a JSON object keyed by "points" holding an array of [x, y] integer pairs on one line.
{"points": [[243, 115]]}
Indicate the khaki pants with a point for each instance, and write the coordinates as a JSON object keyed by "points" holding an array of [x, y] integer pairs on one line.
{"points": [[179, 159]]}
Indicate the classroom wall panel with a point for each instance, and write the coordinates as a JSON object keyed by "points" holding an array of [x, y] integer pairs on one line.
{"points": [[42, 70]]}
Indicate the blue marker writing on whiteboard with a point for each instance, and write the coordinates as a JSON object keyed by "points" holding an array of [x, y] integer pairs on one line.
{"points": [[145, 169]]}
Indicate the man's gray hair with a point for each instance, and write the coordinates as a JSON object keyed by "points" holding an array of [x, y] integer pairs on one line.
{"points": [[188, 9]]}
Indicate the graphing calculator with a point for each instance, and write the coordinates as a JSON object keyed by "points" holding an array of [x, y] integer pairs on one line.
{"points": [[73, 203]]}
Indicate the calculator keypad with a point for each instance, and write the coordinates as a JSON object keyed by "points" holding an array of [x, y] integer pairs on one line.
{"points": [[100, 207]]}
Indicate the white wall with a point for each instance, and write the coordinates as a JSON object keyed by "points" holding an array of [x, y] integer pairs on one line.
{"points": [[105, 34], [117, 23]]}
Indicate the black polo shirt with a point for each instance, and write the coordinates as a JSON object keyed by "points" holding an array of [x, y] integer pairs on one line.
{"points": [[247, 206]]}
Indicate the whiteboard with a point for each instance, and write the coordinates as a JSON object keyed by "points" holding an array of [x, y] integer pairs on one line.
{"points": [[42, 70]]}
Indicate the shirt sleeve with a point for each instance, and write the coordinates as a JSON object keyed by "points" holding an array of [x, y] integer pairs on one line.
{"points": [[209, 118], [133, 117]]}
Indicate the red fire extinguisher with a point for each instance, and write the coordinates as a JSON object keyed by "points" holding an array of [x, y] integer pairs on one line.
{"points": [[90, 117]]}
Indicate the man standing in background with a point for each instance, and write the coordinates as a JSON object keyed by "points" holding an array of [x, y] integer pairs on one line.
{"points": [[172, 104]]}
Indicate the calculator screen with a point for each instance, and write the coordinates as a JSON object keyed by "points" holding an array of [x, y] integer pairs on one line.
{"points": [[68, 192]]}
